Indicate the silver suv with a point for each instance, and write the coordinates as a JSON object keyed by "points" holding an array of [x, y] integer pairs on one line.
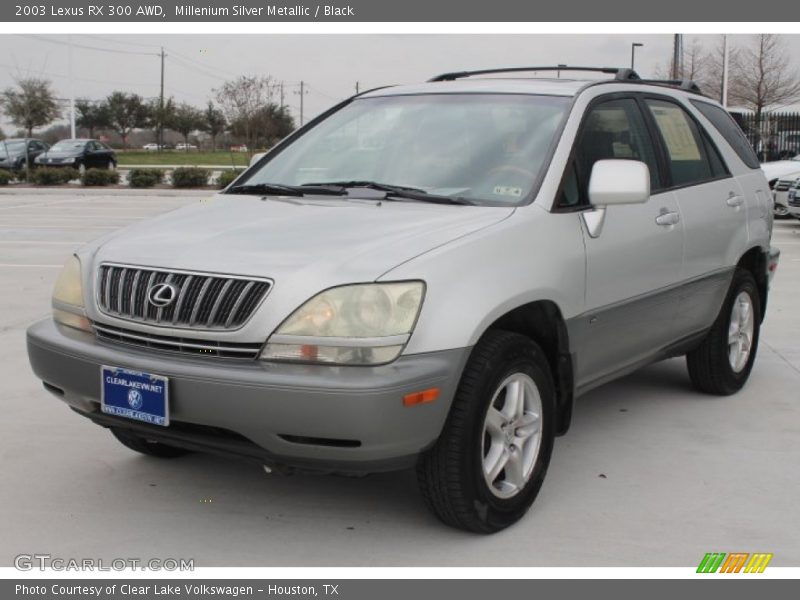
{"points": [[427, 276]]}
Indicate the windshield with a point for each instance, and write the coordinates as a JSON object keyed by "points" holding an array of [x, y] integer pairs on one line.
{"points": [[67, 145], [488, 148], [11, 148]]}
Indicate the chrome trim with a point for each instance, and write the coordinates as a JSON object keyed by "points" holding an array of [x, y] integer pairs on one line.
{"points": [[351, 342], [176, 344], [139, 312]]}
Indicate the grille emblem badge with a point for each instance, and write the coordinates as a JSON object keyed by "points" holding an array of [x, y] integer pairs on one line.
{"points": [[162, 294]]}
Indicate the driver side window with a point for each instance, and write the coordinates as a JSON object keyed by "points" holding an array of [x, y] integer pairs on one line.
{"points": [[612, 129]]}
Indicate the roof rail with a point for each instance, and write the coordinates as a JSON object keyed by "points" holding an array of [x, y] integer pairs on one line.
{"points": [[685, 84], [620, 74]]}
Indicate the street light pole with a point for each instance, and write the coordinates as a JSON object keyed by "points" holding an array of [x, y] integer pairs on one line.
{"points": [[634, 46]]}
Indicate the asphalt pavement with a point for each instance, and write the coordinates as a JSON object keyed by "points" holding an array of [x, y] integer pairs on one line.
{"points": [[651, 473]]}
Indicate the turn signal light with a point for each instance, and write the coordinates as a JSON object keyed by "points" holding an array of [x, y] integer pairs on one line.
{"points": [[422, 397]]}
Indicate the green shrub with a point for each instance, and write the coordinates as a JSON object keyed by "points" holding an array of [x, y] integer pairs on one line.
{"points": [[92, 177], [53, 176], [6, 177], [145, 178], [226, 178], [187, 177]]}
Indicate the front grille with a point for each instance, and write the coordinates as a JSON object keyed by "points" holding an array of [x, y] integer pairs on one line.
{"points": [[202, 300], [783, 185], [180, 345]]}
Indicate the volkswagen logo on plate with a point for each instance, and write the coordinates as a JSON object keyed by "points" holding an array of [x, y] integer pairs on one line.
{"points": [[135, 400], [162, 294]]}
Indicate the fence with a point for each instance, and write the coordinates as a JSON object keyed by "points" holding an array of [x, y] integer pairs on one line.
{"points": [[775, 137]]}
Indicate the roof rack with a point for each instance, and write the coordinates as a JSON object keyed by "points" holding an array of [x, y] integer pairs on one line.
{"points": [[684, 84], [622, 74]]}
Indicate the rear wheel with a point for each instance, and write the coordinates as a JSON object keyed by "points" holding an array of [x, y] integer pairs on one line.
{"points": [[490, 461], [721, 364], [145, 446]]}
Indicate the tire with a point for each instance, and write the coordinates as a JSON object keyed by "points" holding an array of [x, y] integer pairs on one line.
{"points": [[145, 446], [780, 212], [715, 366], [451, 475]]}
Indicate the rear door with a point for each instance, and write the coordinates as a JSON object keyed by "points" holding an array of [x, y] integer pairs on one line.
{"points": [[633, 264], [713, 209]]}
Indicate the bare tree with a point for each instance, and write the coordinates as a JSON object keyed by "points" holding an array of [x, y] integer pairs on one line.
{"points": [[762, 77], [694, 64], [31, 104], [242, 100]]}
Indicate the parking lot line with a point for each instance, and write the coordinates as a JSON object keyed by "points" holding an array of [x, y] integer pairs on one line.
{"points": [[28, 266], [38, 242]]}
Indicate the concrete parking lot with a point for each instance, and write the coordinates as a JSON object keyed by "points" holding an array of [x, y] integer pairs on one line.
{"points": [[651, 474]]}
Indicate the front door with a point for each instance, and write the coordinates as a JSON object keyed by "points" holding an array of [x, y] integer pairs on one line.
{"points": [[633, 263]]}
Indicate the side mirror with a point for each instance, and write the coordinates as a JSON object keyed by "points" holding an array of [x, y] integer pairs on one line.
{"points": [[619, 181], [256, 157]]}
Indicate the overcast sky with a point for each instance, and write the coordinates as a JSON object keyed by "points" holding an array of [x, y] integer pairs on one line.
{"points": [[329, 64]]}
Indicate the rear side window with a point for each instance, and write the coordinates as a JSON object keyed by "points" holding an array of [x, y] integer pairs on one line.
{"points": [[728, 129], [688, 161]]}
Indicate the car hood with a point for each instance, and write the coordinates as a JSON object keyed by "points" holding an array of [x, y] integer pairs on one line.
{"points": [[780, 169], [69, 154], [328, 240]]}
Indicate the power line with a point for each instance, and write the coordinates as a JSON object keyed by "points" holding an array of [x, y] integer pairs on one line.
{"points": [[113, 41], [96, 48]]}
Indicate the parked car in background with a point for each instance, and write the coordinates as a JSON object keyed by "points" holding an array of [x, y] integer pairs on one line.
{"points": [[12, 152], [239, 148], [151, 147], [185, 147], [80, 154], [793, 199], [781, 174]]}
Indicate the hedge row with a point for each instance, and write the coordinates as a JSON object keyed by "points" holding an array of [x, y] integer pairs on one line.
{"points": [[182, 177]]}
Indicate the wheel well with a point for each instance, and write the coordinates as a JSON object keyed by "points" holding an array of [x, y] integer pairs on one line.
{"points": [[755, 261], [543, 323]]}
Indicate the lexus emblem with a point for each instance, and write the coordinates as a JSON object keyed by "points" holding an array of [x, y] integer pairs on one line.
{"points": [[162, 294]]}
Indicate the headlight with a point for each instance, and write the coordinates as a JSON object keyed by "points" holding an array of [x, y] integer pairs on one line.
{"points": [[364, 324], [68, 297]]}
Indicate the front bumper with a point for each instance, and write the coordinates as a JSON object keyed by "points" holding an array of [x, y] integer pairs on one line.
{"points": [[338, 419]]}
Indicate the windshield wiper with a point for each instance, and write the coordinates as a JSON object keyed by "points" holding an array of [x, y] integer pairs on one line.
{"points": [[393, 191], [283, 190]]}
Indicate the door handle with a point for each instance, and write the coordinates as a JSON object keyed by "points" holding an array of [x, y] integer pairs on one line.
{"points": [[667, 219], [734, 201]]}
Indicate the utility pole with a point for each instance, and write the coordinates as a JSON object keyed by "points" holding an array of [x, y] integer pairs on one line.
{"points": [[356, 88], [724, 95], [71, 95], [160, 140], [677, 57], [282, 102], [302, 93]]}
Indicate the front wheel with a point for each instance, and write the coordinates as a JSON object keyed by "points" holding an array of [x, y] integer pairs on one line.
{"points": [[489, 463], [781, 212], [721, 364]]}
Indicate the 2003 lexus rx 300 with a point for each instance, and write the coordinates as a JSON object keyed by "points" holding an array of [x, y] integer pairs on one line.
{"points": [[427, 276]]}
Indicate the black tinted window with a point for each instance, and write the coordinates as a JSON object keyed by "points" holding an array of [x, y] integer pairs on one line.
{"points": [[613, 129], [728, 129]]}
